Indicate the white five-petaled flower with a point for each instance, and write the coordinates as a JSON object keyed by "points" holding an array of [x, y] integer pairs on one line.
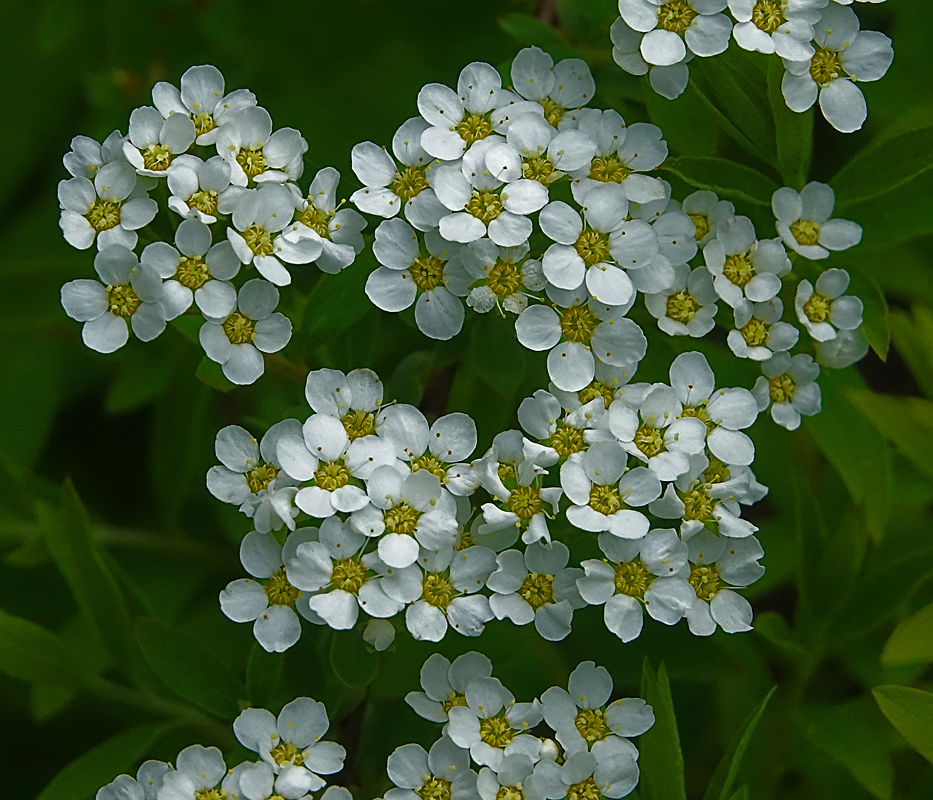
{"points": [[201, 189], [759, 332], [708, 212], [844, 57], [87, 155], [789, 386], [445, 769], [129, 296], [238, 341], [803, 221], [197, 771], [255, 153], [445, 684], [688, 306], [500, 277], [154, 141], [609, 768], [784, 27], [540, 417], [145, 786], [825, 309], [842, 351], [559, 88]]}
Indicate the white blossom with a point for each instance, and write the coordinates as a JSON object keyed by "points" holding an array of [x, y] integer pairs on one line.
{"points": [[688, 306], [145, 786], [743, 266], [784, 27], [256, 154], [789, 387], [804, 224], [154, 141], [825, 309], [201, 189], [759, 332], [445, 683], [559, 88]]}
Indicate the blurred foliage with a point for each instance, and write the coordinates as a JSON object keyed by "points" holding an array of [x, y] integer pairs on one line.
{"points": [[112, 646]]}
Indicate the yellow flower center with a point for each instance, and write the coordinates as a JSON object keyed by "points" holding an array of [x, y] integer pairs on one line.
{"points": [[279, 591], [585, 790], [537, 589], [204, 201], [605, 498], [484, 205], [437, 590], [432, 464], [577, 324], [698, 505], [705, 581], [103, 215], [525, 502], [427, 272], [553, 112], [192, 272], [203, 123], [566, 440], [474, 127], [676, 16], [504, 279], [239, 329], [455, 699], [739, 268], [768, 15], [252, 160], [632, 578], [592, 725], [348, 574], [210, 794], [122, 301], [285, 753], [825, 66], [716, 472], [401, 518], [649, 440], [507, 472], [258, 239], [510, 793], [597, 389], [539, 168], [701, 222], [782, 388], [409, 183], [434, 789], [157, 157], [331, 475], [682, 307], [806, 232], [755, 332], [260, 476], [592, 247], [609, 169], [317, 220], [700, 413], [358, 424], [818, 307], [496, 731]]}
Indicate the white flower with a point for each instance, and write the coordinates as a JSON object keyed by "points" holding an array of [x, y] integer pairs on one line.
{"points": [[759, 333], [608, 384], [603, 491], [130, 295], [111, 209], [202, 97], [784, 27], [688, 307], [270, 605], [500, 277], [623, 155], [583, 717], [609, 770], [380, 633], [708, 212], [577, 336], [789, 387], [491, 725], [559, 88], [195, 272], [430, 272], [743, 266], [340, 577], [201, 189], [145, 787], [540, 417], [844, 56], [340, 233], [198, 770], [447, 596], [514, 776], [291, 744], [87, 155], [259, 219], [443, 771], [657, 434], [154, 141], [256, 154], [717, 564], [257, 781], [251, 477], [445, 684], [480, 204], [323, 453], [352, 398], [387, 188], [825, 310], [804, 224], [538, 587], [842, 351], [640, 575], [238, 341]]}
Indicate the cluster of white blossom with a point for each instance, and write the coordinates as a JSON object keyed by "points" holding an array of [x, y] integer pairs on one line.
{"points": [[231, 203], [489, 749], [292, 756], [825, 53]]}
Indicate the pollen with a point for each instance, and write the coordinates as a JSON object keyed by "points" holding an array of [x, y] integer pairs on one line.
{"points": [[157, 157], [239, 329], [818, 307], [553, 112], [649, 440], [210, 794], [525, 502], [605, 498], [260, 476], [496, 731], [566, 440], [755, 332], [331, 475], [427, 272], [348, 574], [676, 16], [632, 578], [539, 168], [192, 272], [597, 389], [279, 591], [592, 725], [432, 464], [317, 220], [474, 127], [122, 300], [739, 268], [286, 753], [484, 205], [609, 169], [705, 581], [716, 472], [453, 700], [698, 505], [701, 223], [806, 232], [537, 589], [203, 123], [103, 215], [504, 279], [204, 201], [578, 323], [258, 239], [593, 247], [401, 518], [409, 183], [782, 388], [359, 423], [768, 15], [510, 793], [434, 789], [437, 590], [682, 307], [252, 160], [825, 66]]}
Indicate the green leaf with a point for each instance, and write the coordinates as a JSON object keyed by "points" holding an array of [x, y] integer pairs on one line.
{"points": [[528, 30], [772, 627], [141, 381], [353, 661], [729, 180], [720, 787], [31, 653], [885, 166], [741, 794], [890, 219], [875, 323], [263, 674], [94, 587], [793, 132], [911, 712], [336, 302], [190, 668], [661, 761], [496, 355], [913, 338], [122, 753], [912, 640], [211, 374]]}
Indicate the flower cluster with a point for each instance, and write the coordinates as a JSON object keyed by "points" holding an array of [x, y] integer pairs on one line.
{"points": [[825, 53], [292, 759], [489, 749], [231, 203]]}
